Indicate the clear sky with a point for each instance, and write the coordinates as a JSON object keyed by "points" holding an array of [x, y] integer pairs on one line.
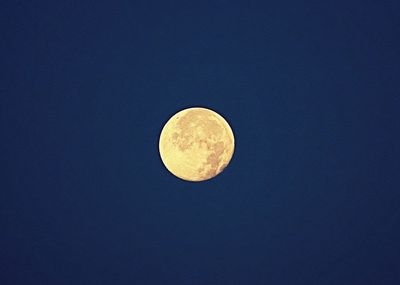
{"points": [[311, 90]]}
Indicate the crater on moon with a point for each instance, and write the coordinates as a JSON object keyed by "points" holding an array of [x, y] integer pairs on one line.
{"points": [[196, 144]]}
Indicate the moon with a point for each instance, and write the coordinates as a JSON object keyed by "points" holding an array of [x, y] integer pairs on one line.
{"points": [[196, 144]]}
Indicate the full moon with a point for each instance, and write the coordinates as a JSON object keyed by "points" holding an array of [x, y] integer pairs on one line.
{"points": [[196, 144]]}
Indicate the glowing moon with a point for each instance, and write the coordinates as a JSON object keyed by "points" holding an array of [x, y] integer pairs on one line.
{"points": [[196, 144]]}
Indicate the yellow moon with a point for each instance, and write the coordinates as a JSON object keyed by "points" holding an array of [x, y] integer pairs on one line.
{"points": [[196, 144]]}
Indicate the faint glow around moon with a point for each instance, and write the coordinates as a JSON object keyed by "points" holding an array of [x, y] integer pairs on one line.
{"points": [[196, 144]]}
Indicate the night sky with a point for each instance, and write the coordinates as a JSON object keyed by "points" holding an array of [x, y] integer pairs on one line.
{"points": [[310, 89]]}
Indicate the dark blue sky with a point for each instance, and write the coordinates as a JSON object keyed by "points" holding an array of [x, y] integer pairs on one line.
{"points": [[311, 90]]}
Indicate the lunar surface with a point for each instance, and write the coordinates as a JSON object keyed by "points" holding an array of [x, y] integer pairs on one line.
{"points": [[196, 144]]}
